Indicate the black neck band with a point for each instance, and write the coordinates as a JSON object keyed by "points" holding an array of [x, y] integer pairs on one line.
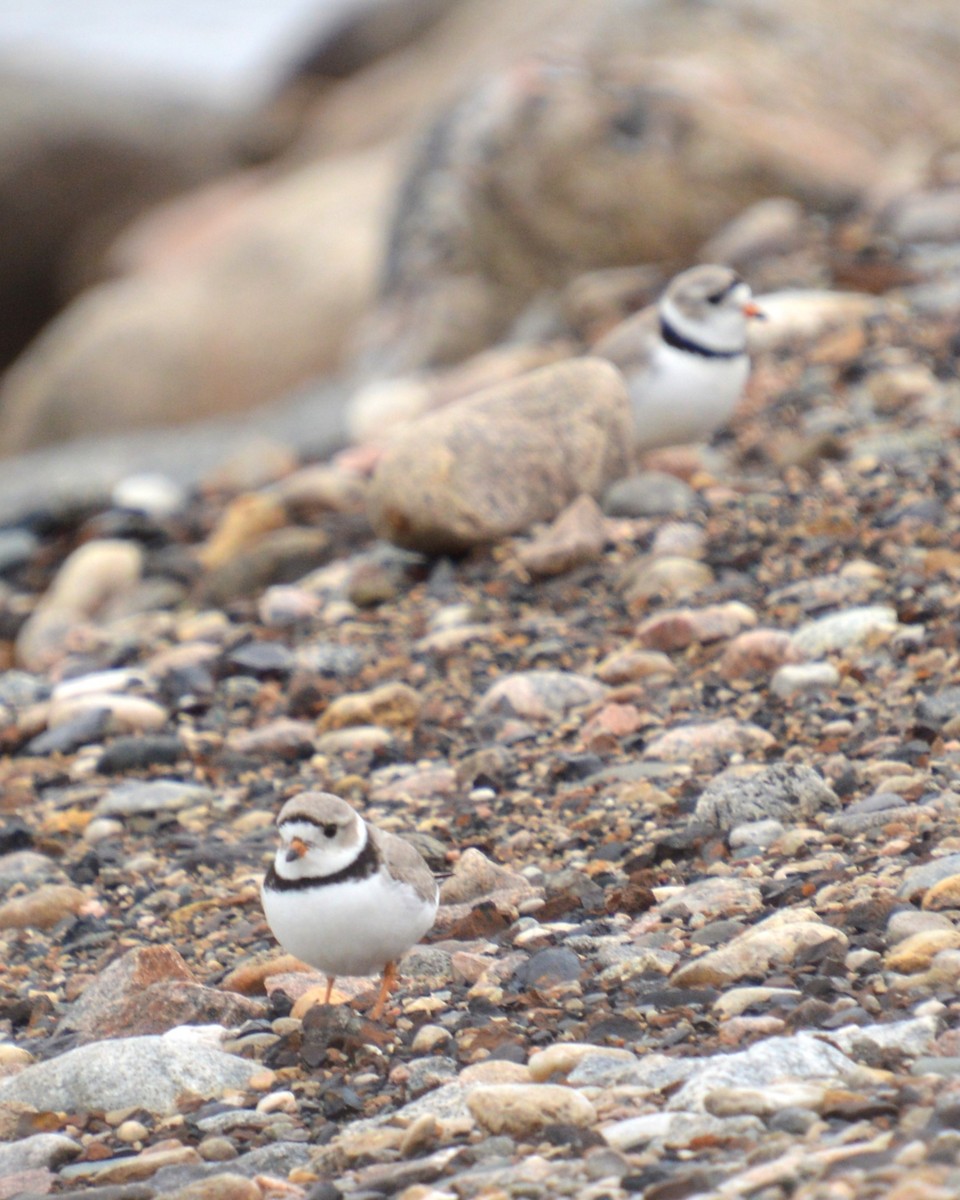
{"points": [[362, 867], [679, 342]]}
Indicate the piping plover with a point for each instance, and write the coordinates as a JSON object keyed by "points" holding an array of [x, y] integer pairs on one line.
{"points": [[685, 357], [345, 896]]}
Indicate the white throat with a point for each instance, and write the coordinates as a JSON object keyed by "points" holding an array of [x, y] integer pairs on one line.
{"points": [[723, 330], [320, 859]]}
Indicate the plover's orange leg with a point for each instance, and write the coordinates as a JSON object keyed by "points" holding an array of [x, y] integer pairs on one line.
{"points": [[386, 983], [330, 979]]}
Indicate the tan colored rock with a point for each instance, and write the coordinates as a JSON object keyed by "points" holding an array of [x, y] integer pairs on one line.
{"points": [[150, 989], [228, 1186], [757, 651], [168, 1153], [678, 628], [631, 664], [806, 316], [540, 695], [915, 953], [575, 538], [496, 463], [475, 876], [42, 907], [89, 580], [943, 894], [520, 1109], [708, 738], [242, 524], [672, 576], [392, 705], [248, 978], [126, 714], [775, 941], [562, 1057]]}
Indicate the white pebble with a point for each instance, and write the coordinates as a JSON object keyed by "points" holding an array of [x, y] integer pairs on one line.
{"points": [[278, 1102]]}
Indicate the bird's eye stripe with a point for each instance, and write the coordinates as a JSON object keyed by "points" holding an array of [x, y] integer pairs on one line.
{"points": [[716, 297]]}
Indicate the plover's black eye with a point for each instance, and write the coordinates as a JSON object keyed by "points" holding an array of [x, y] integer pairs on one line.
{"points": [[717, 297], [330, 831]]}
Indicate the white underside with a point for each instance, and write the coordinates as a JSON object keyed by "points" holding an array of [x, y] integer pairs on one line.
{"points": [[352, 928], [684, 397]]}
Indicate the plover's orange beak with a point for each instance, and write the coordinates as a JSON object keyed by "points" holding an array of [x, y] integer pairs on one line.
{"points": [[754, 310], [296, 849]]}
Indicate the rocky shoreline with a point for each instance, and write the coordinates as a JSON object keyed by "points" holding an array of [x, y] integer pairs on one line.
{"points": [[694, 781], [683, 742]]}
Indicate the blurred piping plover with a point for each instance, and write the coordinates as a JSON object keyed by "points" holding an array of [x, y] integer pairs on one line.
{"points": [[685, 358]]}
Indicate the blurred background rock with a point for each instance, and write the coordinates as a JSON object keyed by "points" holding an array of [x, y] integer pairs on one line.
{"points": [[212, 207]]}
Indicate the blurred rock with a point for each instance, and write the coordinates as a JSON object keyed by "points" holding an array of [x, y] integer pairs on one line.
{"points": [[232, 315], [497, 462]]}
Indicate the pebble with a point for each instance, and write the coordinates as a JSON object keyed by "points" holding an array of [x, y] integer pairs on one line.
{"points": [[912, 1037], [917, 880], [139, 797], [713, 738], [677, 1130], [839, 632], [42, 908], [539, 695], [390, 706], [757, 652], [673, 577], [778, 939], [916, 952], [945, 894], [561, 1058], [154, 1073], [804, 679], [785, 792], [122, 714], [631, 664], [737, 1000], [650, 494], [90, 579], [283, 738], [522, 1110], [759, 834], [797, 1058], [708, 898], [575, 538], [677, 628], [39, 1150]]}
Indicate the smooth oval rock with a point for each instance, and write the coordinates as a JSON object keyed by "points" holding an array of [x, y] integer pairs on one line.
{"points": [[538, 695], [521, 1109], [497, 462]]}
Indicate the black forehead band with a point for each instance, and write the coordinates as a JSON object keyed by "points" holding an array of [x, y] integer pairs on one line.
{"points": [[307, 819]]}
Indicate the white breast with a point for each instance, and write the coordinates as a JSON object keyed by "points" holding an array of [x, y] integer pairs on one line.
{"points": [[351, 928], [684, 397]]}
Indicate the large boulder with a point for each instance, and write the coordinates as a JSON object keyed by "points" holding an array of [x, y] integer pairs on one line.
{"points": [[497, 462], [263, 299]]}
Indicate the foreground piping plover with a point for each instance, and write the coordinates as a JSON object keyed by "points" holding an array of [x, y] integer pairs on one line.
{"points": [[685, 358], [345, 896]]}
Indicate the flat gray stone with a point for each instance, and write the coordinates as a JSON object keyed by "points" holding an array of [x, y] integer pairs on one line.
{"points": [[156, 795], [40, 1150], [786, 792], [774, 1060], [154, 1072]]}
